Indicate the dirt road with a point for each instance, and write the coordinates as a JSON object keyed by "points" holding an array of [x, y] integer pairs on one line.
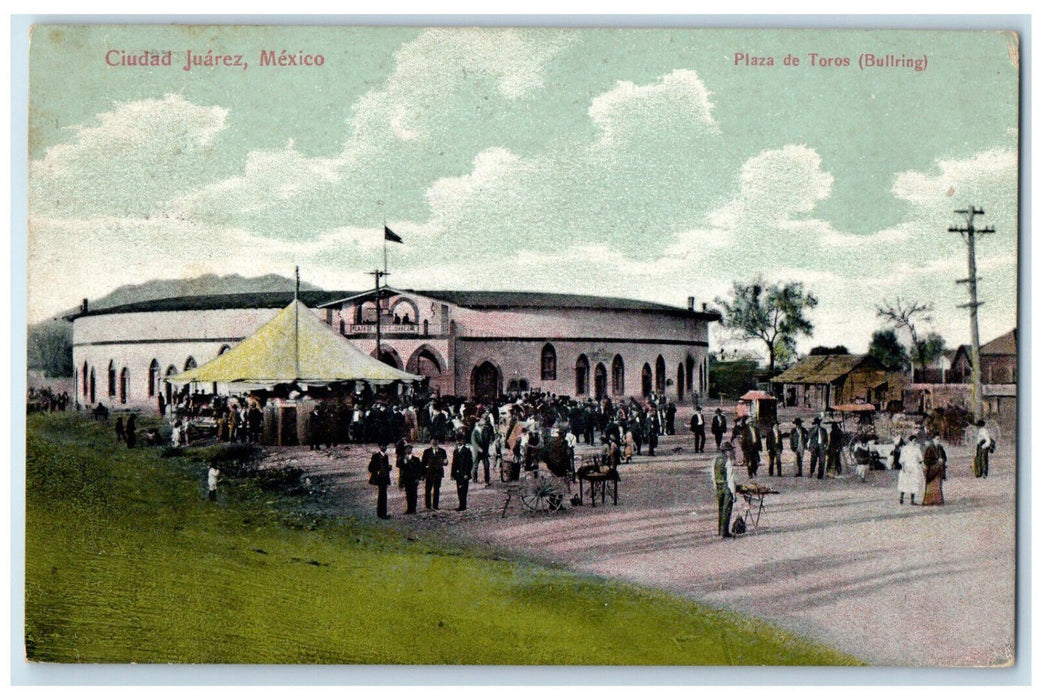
{"points": [[837, 560]]}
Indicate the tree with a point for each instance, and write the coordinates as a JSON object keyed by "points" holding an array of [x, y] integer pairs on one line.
{"points": [[905, 315], [886, 348], [774, 315], [826, 350], [49, 348]]}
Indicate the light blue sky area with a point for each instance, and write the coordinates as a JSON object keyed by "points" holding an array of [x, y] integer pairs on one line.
{"points": [[638, 163]]}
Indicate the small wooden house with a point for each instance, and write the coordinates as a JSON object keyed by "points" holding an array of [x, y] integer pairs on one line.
{"points": [[820, 382]]}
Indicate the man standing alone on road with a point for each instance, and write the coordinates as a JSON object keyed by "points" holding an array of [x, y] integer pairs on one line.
{"points": [[698, 427], [719, 427], [723, 483]]}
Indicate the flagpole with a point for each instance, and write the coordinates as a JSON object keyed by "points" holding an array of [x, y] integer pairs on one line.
{"points": [[296, 324]]}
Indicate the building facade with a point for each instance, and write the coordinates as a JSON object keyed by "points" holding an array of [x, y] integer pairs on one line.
{"points": [[477, 344]]}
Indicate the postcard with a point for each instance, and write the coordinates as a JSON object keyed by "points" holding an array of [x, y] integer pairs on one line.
{"points": [[515, 346]]}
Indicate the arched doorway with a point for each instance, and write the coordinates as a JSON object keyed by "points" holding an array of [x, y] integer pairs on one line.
{"points": [[153, 378], [112, 378], [92, 386], [691, 374], [582, 376], [548, 364], [86, 381], [660, 376], [485, 382], [124, 377], [190, 363], [600, 381], [426, 361], [389, 356], [170, 371], [680, 381], [618, 376], [645, 381]]}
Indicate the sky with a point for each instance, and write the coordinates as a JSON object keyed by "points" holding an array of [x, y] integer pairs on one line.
{"points": [[654, 164]]}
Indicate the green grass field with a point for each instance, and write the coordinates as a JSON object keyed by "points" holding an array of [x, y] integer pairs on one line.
{"points": [[127, 561]]}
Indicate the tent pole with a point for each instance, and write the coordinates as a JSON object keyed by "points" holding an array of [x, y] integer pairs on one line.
{"points": [[296, 325]]}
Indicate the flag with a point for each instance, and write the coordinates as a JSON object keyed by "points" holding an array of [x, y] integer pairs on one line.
{"points": [[390, 235]]}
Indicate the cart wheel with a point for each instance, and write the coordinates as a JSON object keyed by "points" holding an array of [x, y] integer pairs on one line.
{"points": [[532, 494]]}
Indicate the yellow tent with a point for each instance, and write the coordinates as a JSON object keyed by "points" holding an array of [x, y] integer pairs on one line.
{"points": [[294, 347]]}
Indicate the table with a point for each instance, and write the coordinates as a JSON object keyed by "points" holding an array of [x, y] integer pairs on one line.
{"points": [[598, 482], [754, 500]]}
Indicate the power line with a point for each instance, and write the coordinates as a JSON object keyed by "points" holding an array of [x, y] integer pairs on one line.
{"points": [[969, 234]]}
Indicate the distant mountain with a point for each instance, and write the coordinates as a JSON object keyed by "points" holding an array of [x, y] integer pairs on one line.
{"points": [[197, 286], [50, 342]]}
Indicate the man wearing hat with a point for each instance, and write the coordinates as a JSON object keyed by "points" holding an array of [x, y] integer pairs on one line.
{"points": [[380, 477], [433, 461], [410, 470], [723, 483], [798, 443], [719, 427], [818, 441], [698, 427], [462, 464]]}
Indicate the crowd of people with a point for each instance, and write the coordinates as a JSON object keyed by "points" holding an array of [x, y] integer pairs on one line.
{"points": [[45, 399]]}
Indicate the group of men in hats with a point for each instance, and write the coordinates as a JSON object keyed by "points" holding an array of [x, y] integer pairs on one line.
{"points": [[429, 468]]}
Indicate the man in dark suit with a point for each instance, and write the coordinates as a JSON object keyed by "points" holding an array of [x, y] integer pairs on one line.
{"points": [[719, 427], [434, 459], [798, 443], [775, 445], [818, 442], [380, 477], [752, 445], [462, 464], [698, 427], [410, 471]]}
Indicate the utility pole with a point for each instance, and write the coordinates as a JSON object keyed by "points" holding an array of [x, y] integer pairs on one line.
{"points": [[969, 233], [377, 274]]}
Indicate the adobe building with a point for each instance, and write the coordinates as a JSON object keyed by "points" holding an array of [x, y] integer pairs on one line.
{"points": [[821, 381], [477, 344]]}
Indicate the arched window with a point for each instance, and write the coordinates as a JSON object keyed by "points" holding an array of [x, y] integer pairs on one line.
{"points": [[618, 376], [660, 375], [153, 378], [549, 363], [224, 349], [190, 363], [93, 385], [124, 378], [645, 381], [112, 378], [600, 381], [582, 376], [86, 383], [680, 380]]}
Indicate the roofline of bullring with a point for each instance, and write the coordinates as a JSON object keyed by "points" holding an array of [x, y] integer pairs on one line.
{"points": [[477, 300]]}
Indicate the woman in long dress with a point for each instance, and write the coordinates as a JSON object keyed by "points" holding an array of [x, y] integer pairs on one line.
{"points": [[912, 478], [934, 459]]}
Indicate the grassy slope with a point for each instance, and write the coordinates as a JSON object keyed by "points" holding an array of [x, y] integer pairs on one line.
{"points": [[127, 561]]}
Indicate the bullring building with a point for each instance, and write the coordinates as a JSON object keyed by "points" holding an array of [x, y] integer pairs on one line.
{"points": [[477, 344]]}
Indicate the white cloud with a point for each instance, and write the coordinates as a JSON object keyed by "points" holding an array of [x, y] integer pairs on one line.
{"points": [[678, 101], [133, 156], [269, 179], [781, 183]]}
